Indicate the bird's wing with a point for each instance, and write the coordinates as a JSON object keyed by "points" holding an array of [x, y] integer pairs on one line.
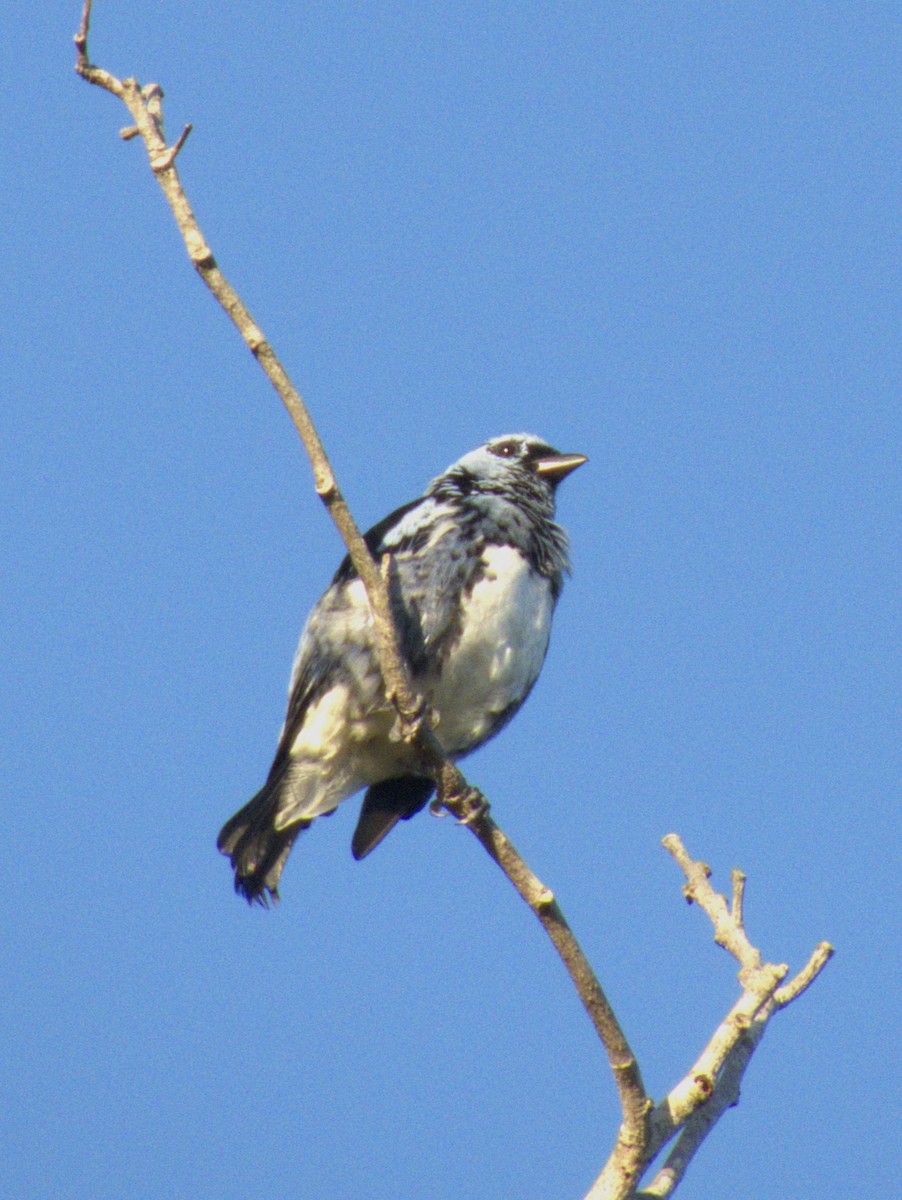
{"points": [[318, 658], [434, 553], [306, 683], [433, 561], [381, 539]]}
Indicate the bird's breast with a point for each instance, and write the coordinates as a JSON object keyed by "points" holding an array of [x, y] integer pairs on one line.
{"points": [[491, 665]]}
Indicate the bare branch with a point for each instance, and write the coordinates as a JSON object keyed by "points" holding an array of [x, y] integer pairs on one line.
{"points": [[629, 1151], [820, 956], [729, 930], [166, 160], [705, 1116], [145, 106], [81, 38], [702, 1081], [692, 1108], [738, 878]]}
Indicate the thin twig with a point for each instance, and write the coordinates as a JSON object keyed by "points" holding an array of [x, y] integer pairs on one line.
{"points": [[166, 160], [145, 106], [820, 956], [634, 1100], [729, 931], [738, 878]]}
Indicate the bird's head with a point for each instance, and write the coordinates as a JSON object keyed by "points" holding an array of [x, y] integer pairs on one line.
{"points": [[515, 464]]}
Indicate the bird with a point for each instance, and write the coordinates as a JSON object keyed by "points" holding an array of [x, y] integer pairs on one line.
{"points": [[476, 568]]}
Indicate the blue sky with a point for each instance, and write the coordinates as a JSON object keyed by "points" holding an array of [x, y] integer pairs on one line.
{"points": [[666, 236]]}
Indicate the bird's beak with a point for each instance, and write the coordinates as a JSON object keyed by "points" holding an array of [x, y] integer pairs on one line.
{"points": [[556, 466]]}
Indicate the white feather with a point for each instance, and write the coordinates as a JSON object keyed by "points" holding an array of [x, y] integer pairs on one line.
{"points": [[500, 652]]}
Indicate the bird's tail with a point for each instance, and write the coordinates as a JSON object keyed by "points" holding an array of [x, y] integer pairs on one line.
{"points": [[257, 849]]}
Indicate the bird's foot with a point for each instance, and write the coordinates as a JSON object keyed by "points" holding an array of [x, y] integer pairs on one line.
{"points": [[474, 807], [468, 808]]}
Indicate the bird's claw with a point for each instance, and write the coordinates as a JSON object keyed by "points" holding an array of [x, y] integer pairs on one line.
{"points": [[472, 802], [476, 807]]}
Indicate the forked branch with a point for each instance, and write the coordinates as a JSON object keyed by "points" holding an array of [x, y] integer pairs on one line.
{"points": [[691, 1109]]}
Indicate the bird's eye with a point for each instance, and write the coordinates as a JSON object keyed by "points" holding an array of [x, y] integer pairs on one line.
{"points": [[506, 449]]}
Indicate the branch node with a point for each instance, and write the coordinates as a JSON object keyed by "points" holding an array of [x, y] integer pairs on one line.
{"points": [[253, 338], [203, 260], [742, 1021], [152, 95], [162, 162], [763, 979], [130, 131]]}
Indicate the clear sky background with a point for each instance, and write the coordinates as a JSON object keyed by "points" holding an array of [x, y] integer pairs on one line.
{"points": [[665, 235]]}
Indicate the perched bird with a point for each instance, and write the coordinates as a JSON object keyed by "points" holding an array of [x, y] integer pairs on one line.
{"points": [[477, 565]]}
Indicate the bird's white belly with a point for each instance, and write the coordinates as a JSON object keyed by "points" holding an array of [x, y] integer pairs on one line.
{"points": [[506, 625]]}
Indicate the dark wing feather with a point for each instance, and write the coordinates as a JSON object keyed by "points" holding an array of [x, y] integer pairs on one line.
{"points": [[424, 589], [309, 680], [375, 540], [425, 592], [304, 688]]}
